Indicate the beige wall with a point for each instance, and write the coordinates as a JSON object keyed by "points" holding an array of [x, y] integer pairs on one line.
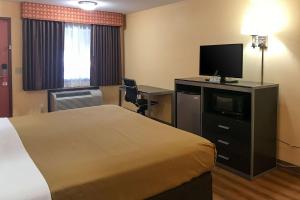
{"points": [[162, 44]]}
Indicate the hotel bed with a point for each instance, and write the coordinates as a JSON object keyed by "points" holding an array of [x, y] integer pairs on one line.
{"points": [[110, 153]]}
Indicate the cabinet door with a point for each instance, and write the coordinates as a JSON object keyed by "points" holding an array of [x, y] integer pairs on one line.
{"points": [[5, 70], [189, 112], [233, 160]]}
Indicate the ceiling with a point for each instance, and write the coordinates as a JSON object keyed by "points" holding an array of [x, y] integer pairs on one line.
{"points": [[121, 6]]}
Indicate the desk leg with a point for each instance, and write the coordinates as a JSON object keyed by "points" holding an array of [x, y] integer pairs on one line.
{"points": [[120, 97], [149, 105], [173, 109]]}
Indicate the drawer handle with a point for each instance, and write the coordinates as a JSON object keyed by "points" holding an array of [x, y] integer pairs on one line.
{"points": [[224, 127], [223, 157], [223, 142]]}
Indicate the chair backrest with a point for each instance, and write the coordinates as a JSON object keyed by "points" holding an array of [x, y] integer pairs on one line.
{"points": [[131, 90]]}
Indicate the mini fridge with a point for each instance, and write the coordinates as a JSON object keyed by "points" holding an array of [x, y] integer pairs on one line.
{"points": [[189, 112]]}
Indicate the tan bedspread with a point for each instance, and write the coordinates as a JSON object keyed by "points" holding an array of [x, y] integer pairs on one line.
{"points": [[110, 153]]}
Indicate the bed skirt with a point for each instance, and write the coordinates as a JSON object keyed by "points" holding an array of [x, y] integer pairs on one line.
{"points": [[199, 188]]}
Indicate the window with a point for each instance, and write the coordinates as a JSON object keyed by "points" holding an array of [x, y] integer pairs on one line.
{"points": [[77, 55]]}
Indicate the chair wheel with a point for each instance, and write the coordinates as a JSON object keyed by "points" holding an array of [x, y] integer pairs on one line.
{"points": [[141, 111]]}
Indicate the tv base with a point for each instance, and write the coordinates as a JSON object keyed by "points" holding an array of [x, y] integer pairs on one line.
{"points": [[220, 80], [224, 80]]}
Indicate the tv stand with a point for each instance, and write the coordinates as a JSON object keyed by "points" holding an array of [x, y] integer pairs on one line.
{"points": [[246, 144]]}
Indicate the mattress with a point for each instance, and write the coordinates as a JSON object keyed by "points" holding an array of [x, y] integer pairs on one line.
{"points": [[107, 152]]}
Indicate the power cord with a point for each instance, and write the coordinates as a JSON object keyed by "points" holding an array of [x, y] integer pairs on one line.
{"points": [[286, 166], [289, 165], [288, 144]]}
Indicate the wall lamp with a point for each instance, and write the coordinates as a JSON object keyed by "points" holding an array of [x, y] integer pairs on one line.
{"points": [[259, 41], [262, 43]]}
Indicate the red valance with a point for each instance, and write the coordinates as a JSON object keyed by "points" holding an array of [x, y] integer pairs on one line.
{"points": [[73, 15]]}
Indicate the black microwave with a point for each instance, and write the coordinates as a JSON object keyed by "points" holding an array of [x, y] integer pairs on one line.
{"points": [[231, 104]]}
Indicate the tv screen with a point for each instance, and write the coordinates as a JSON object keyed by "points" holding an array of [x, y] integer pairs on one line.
{"points": [[223, 60]]}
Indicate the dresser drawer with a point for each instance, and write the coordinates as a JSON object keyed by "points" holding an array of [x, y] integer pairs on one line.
{"points": [[230, 144], [233, 160], [226, 127]]}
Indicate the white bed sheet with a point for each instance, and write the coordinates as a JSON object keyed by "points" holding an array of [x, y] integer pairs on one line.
{"points": [[20, 179]]}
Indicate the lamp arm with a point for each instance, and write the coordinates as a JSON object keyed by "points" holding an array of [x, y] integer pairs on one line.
{"points": [[262, 64]]}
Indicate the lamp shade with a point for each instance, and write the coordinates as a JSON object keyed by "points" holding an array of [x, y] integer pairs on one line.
{"points": [[264, 17]]}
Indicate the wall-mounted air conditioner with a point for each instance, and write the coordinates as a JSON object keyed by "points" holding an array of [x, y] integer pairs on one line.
{"points": [[64, 100]]}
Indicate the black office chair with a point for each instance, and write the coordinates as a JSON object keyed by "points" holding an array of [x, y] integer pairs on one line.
{"points": [[132, 96]]}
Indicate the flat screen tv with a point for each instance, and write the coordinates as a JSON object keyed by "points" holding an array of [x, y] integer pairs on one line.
{"points": [[222, 60]]}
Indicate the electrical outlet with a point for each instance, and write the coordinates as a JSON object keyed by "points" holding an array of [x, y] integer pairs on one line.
{"points": [[18, 71], [42, 108]]}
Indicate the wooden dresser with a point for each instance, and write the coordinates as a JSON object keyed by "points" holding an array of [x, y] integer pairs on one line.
{"points": [[245, 141]]}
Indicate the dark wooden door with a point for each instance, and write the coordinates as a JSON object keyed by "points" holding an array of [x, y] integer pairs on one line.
{"points": [[5, 69]]}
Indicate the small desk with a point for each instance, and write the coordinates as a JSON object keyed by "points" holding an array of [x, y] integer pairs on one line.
{"points": [[148, 92]]}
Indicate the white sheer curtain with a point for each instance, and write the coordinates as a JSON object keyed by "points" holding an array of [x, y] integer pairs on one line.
{"points": [[77, 55]]}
